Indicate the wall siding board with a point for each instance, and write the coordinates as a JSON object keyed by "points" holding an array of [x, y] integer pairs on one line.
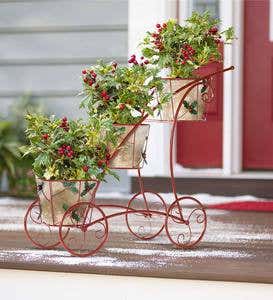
{"points": [[62, 45], [44, 45], [62, 13]]}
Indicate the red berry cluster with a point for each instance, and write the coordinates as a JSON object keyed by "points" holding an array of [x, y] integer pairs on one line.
{"points": [[157, 37], [45, 136], [134, 61], [66, 150], [64, 124], [213, 31], [121, 106], [186, 53], [102, 162], [89, 77], [105, 96], [85, 168]]}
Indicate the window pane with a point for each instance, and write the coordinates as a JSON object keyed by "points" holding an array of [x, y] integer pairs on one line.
{"points": [[202, 5]]}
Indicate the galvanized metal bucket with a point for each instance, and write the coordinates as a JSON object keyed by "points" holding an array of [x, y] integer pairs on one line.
{"points": [[192, 108], [132, 152], [56, 196]]}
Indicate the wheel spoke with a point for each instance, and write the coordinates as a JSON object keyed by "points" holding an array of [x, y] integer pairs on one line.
{"points": [[88, 234], [186, 222], [146, 224]]}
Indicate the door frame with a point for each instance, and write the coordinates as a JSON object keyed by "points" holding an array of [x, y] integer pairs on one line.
{"points": [[231, 14]]}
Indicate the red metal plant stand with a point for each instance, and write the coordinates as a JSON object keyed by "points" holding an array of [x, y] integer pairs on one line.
{"points": [[146, 214]]}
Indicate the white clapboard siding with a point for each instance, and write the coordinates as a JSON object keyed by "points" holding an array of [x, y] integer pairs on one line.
{"points": [[35, 15], [64, 45], [44, 45], [16, 80]]}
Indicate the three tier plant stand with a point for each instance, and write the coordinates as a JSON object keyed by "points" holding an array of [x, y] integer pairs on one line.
{"points": [[84, 228]]}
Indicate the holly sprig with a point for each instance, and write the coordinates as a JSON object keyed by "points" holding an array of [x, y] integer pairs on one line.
{"points": [[183, 49], [122, 94], [70, 150]]}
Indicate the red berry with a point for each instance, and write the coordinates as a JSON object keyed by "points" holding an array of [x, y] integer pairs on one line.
{"points": [[83, 71], [85, 168], [69, 154], [100, 163], [61, 151], [142, 57], [114, 64], [104, 94], [108, 156], [90, 82], [121, 106], [164, 25], [213, 30], [158, 25], [45, 136], [64, 119], [146, 62], [85, 80], [68, 148]]}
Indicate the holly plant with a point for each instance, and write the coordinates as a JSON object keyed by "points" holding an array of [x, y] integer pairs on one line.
{"points": [[122, 94], [183, 49], [70, 150]]}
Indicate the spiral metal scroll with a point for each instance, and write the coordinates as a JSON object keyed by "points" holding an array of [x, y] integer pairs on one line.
{"points": [[148, 219], [43, 236], [88, 229], [207, 91], [186, 222]]}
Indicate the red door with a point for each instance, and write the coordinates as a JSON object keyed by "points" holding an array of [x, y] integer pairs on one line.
{"points": [[199, 144], [258, 85]]}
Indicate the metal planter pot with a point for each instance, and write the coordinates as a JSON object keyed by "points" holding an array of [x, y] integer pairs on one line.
{"points": [[56, 196], [193, 107], [132, 152]]}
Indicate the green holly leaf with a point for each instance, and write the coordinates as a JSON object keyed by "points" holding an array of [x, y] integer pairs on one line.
{"points": [[203, 89], [65, 206], [87, 187], [75, 216], [194, 104], [186, 104]]}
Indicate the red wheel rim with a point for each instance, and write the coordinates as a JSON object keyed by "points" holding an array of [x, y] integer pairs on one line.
{"points": [[82, 226], [28, 232], [187, 221], [137, 233]]}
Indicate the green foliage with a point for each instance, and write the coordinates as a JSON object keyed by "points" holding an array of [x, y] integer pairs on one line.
{"points": [[9, 152], [121, 94], [69, 150], [183, 49], [21, 182]]}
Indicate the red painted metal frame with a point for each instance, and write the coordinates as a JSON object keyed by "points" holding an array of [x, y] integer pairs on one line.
{"points": [[188, 218]]}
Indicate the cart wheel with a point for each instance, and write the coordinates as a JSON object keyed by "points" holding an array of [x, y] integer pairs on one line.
{"points": [[88, 229], [39, 233], [146, 222], [186, 222]]}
